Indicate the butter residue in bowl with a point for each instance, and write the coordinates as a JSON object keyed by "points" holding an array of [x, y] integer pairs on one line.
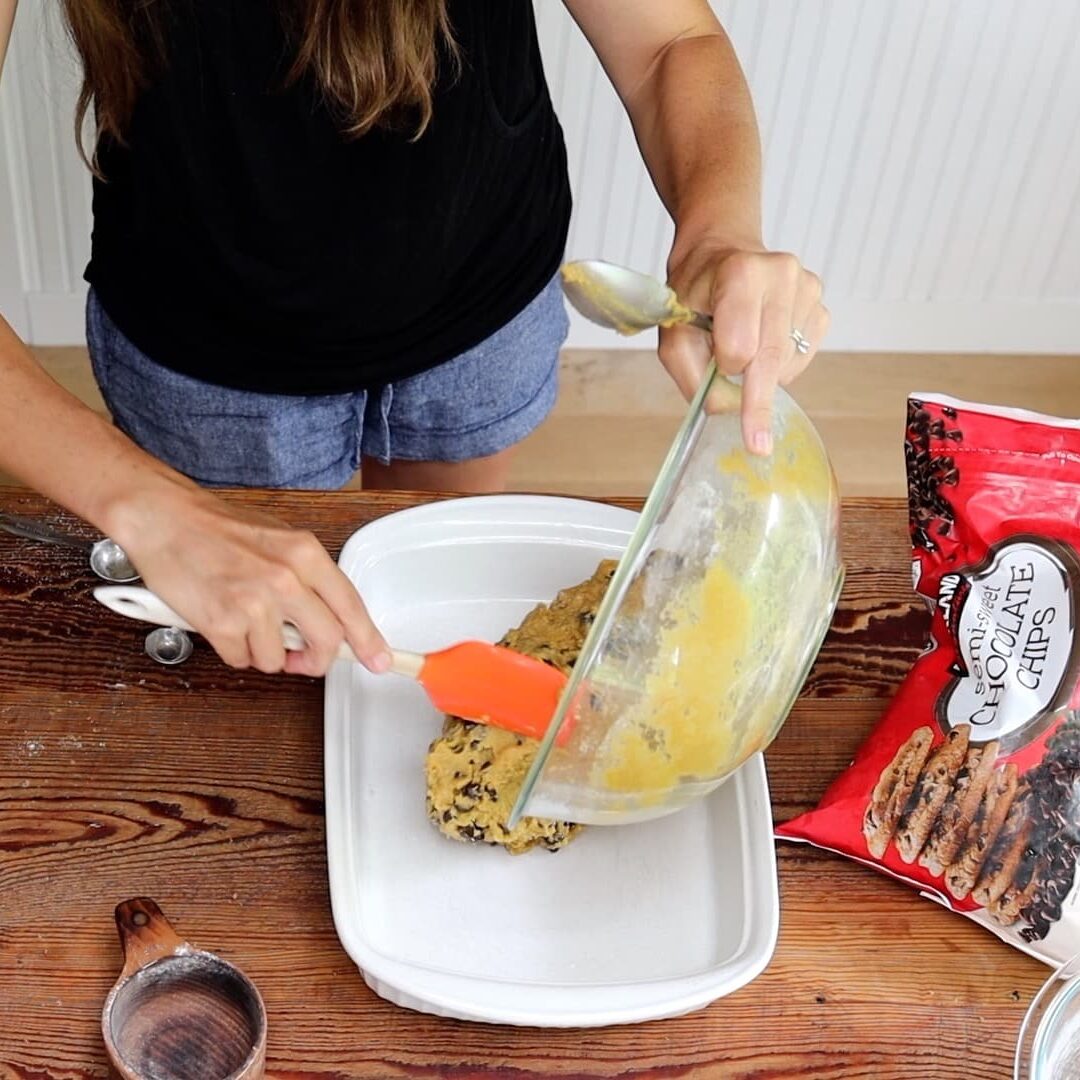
{"points": [[707, 701], [674, 732]]}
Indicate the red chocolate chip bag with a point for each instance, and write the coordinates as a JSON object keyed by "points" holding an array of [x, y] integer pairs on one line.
{"points": [[969, 786]]}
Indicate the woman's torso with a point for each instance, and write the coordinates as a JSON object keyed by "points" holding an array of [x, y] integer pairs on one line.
{"points": [[241, 239]]}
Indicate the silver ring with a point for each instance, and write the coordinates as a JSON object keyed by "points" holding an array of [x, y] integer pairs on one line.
{"points": [[801, 344]]}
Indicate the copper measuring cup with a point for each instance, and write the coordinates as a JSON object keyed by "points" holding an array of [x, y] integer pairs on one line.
{"points": [[176, 1012]]}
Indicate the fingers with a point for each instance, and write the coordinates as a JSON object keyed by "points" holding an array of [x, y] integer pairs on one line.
{"points": [[265, 643], [812, 321], [684, 352], [238, 580], [759, 385], [759, 299], [232, 646], [320, 629], [338, 602], [773, 347], [738, 296], [244, 628]]}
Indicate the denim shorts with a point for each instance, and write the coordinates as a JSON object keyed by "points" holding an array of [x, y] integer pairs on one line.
{"points": [[477, 403]]}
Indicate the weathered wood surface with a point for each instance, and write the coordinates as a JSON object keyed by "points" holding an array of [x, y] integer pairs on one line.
{"points": [[203, 789]]}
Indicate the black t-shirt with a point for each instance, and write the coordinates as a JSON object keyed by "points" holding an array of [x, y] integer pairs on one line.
{"points": [[241, 239]]}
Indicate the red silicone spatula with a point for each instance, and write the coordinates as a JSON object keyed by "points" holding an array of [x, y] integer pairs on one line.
{"points": [[474, 680], [487, 683]]}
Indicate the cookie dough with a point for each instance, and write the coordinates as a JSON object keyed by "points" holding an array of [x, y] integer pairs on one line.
{"points": [[474, 772]]}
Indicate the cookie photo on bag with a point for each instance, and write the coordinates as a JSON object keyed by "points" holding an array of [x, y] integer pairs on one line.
{"points": [[931, 791], [963, 872], [959, 809], [893, 789]]}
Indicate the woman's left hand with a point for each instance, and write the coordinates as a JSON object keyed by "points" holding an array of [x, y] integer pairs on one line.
{"points": [[757, 298]]}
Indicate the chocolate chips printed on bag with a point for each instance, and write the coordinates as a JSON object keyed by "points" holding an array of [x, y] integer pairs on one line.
{"points": [[969, 786]]}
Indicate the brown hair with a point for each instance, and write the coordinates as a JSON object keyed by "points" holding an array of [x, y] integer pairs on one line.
{"points": [[373, 61]]}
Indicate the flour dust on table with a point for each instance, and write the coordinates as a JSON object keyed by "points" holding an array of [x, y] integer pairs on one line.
{"points": [[969, 787]]}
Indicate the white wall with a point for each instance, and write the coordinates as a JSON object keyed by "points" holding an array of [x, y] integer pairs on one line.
{"points": [[923, 156], [44, 188]]}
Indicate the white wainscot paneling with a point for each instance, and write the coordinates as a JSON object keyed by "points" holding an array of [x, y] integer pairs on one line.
{"points": [[924, 157], [44, 187]]}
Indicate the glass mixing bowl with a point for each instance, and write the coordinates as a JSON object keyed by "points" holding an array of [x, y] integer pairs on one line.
{"points": [[708, 630]]}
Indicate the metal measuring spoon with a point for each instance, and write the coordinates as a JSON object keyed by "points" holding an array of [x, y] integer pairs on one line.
{"points": [[107, 558], [168, 645], [110, 562]]}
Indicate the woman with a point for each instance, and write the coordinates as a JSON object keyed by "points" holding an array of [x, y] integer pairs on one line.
{"points": [[327, 230]]}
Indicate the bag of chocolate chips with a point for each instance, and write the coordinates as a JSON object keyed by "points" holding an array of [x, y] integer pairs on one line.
{"points": [[969, 787]]}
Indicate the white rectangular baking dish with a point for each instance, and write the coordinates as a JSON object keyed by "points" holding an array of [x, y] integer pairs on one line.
{"points": [[629, 923]]}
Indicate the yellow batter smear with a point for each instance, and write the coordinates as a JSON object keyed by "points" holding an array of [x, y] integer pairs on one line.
{"points": [[796, 467], [678, 734], [682, 729], [680, 313]]}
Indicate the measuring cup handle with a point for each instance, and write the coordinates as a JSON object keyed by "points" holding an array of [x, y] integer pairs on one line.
{"points": [[145, 934], [138, 603]]}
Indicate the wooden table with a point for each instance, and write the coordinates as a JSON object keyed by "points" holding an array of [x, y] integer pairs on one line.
{"points": [[203, 788]]}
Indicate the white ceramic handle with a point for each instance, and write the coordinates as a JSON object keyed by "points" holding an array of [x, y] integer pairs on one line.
{"points": [[138, 603]]}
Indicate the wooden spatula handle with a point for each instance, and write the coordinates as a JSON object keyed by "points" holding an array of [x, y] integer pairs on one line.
{"points": [[404, 663], [408, 664]]}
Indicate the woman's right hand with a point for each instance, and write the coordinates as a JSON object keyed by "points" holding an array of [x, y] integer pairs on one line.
{"points": [[237, 576]]}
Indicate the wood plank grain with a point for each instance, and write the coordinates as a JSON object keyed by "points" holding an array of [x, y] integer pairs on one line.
{"points": [[203, 788]]}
